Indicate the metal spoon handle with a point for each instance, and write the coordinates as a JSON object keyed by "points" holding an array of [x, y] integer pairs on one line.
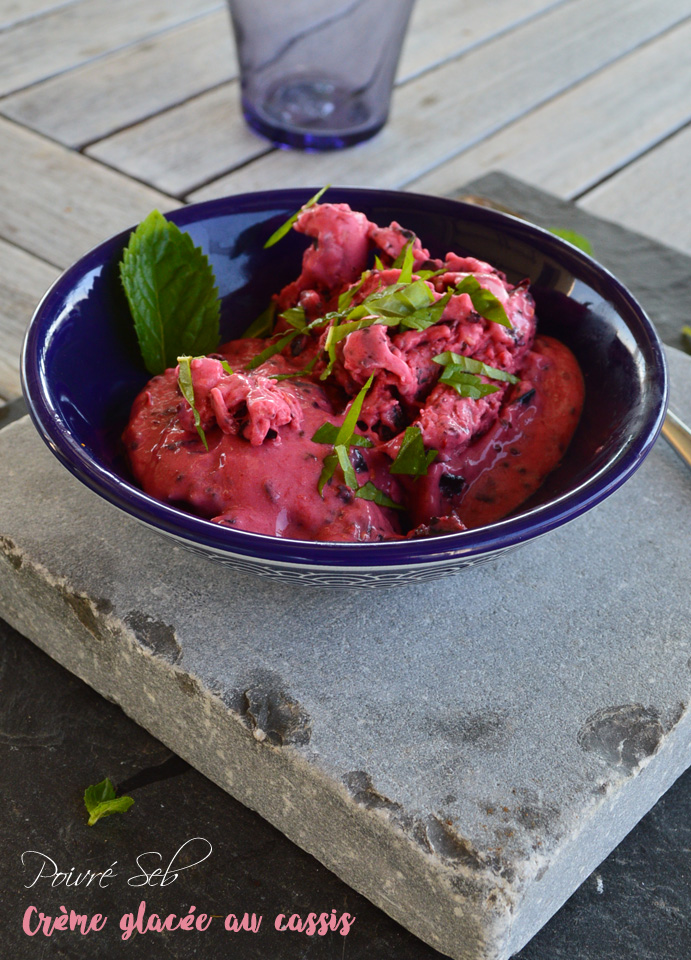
{"points": [[678, 435]]}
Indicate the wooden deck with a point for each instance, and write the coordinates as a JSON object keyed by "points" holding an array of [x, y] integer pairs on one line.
{"points": [[108, 110]]}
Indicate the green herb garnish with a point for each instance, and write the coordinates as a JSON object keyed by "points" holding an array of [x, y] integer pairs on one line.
{"points": [[272, 349], [285, 227], [171, 290], [469, 365], [263, 325], [412, 457], [463, 374], [577, 239], [368, 491], [404, 262], [100, 801], [298, 373], [328, 433], [484, 302], [342, 442], [187, 390]]}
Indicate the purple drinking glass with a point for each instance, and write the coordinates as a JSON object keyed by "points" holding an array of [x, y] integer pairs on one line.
{"points": [[316, 75]]}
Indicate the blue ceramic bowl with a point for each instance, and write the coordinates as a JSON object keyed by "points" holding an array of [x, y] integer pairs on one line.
{"points": [[82, 370]]}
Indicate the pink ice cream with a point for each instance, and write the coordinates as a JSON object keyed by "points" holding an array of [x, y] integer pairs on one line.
{"points": [[261, 470]]}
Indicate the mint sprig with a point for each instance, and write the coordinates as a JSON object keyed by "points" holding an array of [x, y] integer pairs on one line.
{"points": [[100, 801], [171, 291]]}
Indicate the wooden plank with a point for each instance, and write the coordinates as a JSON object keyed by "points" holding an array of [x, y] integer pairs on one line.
{"points": [[442, 29], [57, 204], [446, 110], [79, 32], [215, 138], [100, 97], [574, 141], [651, 195], [23, 281], [95, 100], [13, 12]]}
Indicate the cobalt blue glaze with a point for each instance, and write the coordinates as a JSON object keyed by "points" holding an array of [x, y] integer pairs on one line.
{"points": [[81, 370]]}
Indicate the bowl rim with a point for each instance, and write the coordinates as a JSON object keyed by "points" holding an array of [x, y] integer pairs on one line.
{"points": [[393, 554]]}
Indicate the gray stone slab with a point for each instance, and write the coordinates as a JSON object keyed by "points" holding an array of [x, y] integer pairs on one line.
{"points": [[464, 753], [657, 275]]}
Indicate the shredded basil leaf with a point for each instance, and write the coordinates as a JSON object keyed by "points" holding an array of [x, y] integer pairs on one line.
{"points": [[412, 458], [342, 452], [328, 432], [344, 438], [298, 373], [285, 227], [470, 365], [466, 384], [484, 302], [272, 349], [368, 491], [404, 261], [263, 325], [187, 390], [295, 317]]}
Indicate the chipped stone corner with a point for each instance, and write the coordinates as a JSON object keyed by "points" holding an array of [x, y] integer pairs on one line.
{"points": [[484, 892], [270, 713], [624, 737]]}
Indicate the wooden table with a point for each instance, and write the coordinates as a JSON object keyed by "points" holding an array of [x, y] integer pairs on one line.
{"points": [[110, 109]]}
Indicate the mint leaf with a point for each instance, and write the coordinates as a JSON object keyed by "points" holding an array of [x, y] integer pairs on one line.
{"points": [[187, 390], [577, 239], [412, 457], [100, 801], [285, 227], [171, 291], [368, 491]]}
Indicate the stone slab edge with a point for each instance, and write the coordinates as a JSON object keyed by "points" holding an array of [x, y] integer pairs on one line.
{"points": [[420, 873]]}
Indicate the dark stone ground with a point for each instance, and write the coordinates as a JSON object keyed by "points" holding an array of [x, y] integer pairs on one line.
{"points": [[57, 736]]}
